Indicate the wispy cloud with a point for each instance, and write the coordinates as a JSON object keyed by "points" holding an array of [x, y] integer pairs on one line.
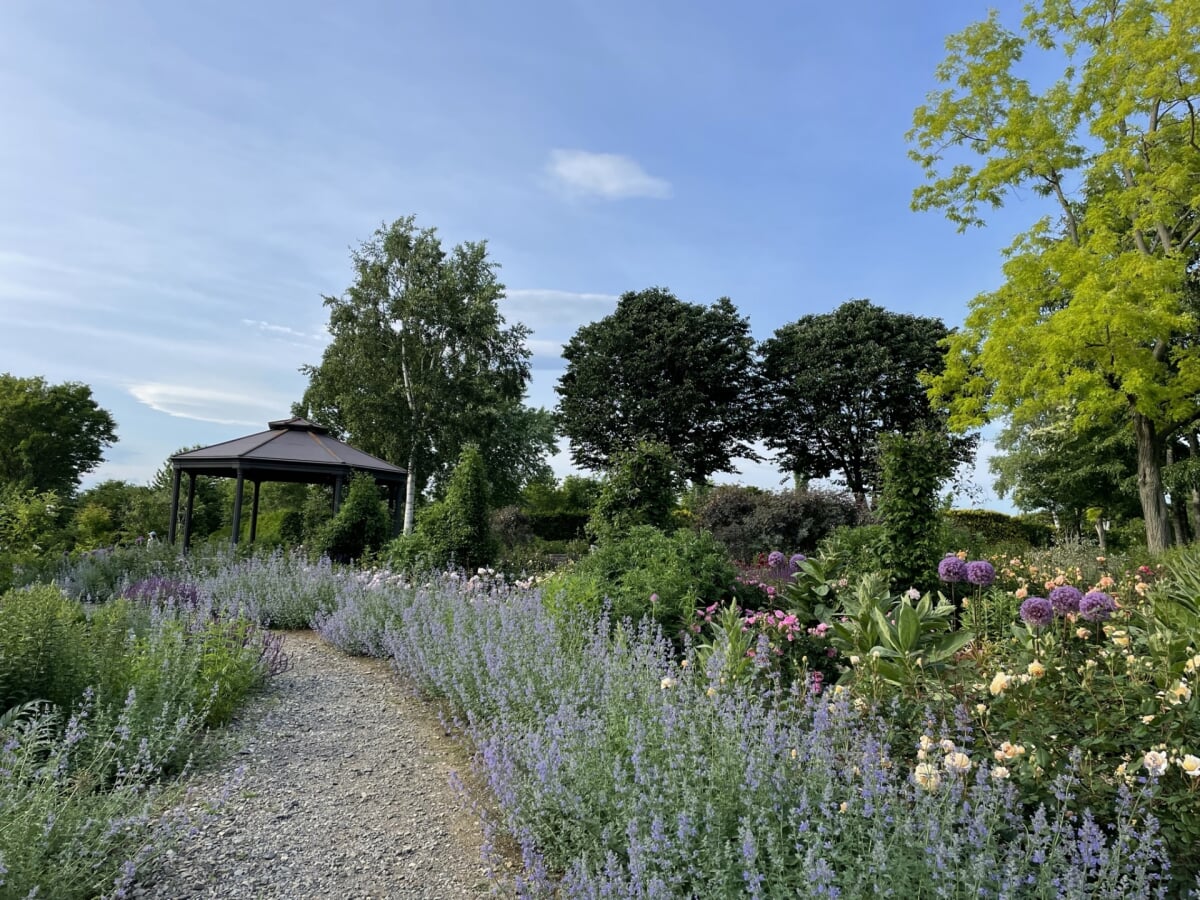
{"points": [[207, 405], [610, 176], [285, 331]]}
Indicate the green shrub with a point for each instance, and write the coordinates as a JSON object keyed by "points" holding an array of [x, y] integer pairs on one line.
{"points": [[43, 648], [912, 471], [856, 550], [455, 530], [646, 572], [361, 525], [640, 489], [749, 521]]}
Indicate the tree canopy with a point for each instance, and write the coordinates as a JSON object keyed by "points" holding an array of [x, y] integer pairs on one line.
{"points": [[421, 360], [833, 383], [1093, 313], [50, 434], [662, 370]]}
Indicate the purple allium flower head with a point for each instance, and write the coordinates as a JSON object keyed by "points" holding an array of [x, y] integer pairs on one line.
{"points": [[952, 569], [775, 559], [1096, 606], [794, 562], [981, 573], [1065, 599], [1037, 612]]}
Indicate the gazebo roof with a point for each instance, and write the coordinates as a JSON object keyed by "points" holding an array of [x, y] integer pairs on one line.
{"points": [[289, 450]]}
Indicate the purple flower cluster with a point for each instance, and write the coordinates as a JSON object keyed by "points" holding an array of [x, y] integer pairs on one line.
{"points": [[952, 569], [1037, 612], [1065, 599], [980, 573], [1096, 606]]}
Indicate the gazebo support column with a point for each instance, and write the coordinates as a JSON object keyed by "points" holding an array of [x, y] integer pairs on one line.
{"points": [[174, 506], [237, 508], [254, 511], [187, 516], [337, 493], [397, 508]]}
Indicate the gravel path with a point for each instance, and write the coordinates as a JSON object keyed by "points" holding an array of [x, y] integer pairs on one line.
{"points": [[346, 793]]}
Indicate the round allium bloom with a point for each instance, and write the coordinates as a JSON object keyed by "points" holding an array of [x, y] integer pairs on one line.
{"points": [[794, 562], [1096, 606], [981, 573], [952, 569], [1037, 612], [775, 559], [1065, 599]]}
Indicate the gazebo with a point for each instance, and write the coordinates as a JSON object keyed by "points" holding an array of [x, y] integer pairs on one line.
{"points": [[292, 450]]}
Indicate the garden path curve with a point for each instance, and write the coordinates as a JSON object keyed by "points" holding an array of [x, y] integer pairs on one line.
{"points": [[346, 792]]}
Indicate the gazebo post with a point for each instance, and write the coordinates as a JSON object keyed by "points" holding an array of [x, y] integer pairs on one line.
{"points": [[337, 493], [237, 508], [174, 505], [397, 507], [254, 511], [191, 506]]}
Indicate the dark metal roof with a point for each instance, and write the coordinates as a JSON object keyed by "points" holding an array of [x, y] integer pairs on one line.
{"points": [[290, 449]]}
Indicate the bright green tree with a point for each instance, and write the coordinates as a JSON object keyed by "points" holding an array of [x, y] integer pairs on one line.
{"points": [[360, 526], [421, 361], [641, 489], [50, 434], [662, 370], [1093, 312], [457, 528], [833, 383]]}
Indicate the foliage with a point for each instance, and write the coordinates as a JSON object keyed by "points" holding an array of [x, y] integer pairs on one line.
{"points": [[663, 370], [29, 532], [43, 648], [421, 362], [456, 530], [53, 434], [992, 528], [749, 521], [1067, 469], [1094, 315], [282, 591], [913, 469], [836, 382], [361, 526], [645, 573], [625, 770], [856, 550], [640, 489]]}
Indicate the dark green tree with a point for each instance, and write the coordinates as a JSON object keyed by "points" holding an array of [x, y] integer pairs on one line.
{"points": [[1050, 464], [659, 369], [421, 361], [52, 434], [833, 383]]}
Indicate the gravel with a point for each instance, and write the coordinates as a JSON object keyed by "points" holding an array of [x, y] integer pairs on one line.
{"points": [[345, 793]]}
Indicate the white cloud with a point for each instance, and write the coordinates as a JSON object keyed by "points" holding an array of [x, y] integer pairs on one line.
{"points": [[556, 312], [285, 331], [206, 405], [607, 175]]}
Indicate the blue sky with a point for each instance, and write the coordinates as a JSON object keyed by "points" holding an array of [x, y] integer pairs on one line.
{"points": [[180, 183]]}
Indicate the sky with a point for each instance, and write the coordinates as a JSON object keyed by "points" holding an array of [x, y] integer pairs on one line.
{"points": [[180, 184]]}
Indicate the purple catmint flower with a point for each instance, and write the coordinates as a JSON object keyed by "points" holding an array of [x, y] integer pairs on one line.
{"points": [[1065, 599], [1096, 606], [1037, 612], [980, 573], [952, 569]]}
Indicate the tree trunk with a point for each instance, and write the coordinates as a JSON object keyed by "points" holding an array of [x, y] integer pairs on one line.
{"points": [[1194, 498], [410, 492], [1177, 508], [1102, 534], [1150, 488]]}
